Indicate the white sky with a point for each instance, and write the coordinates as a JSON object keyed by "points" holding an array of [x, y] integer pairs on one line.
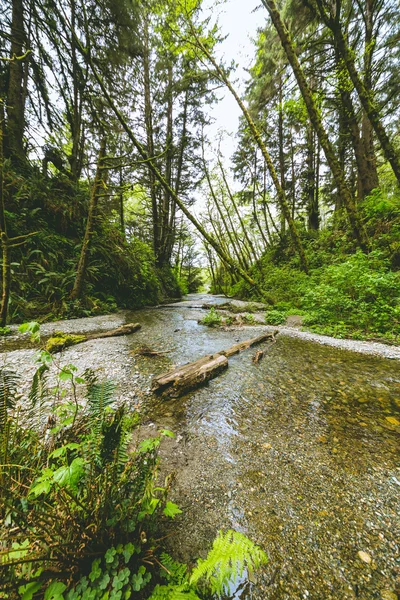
{"points": [[239, 20]]}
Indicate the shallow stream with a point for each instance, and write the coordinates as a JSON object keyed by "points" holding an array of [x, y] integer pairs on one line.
{"points": [[300, 452]]}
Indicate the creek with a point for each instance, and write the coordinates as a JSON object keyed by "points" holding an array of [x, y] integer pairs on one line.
{"points": [[300, 452]]}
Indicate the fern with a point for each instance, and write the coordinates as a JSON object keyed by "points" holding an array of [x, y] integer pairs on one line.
{"points": [[175, 572], [230, 555], [39, 391], [99, 396], [173, 592], [8, 397], [115, 440]]}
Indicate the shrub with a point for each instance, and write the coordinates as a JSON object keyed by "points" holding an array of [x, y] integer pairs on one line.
{"points": [[212, 318], [360, 292], [79, 508], [275, 317]]}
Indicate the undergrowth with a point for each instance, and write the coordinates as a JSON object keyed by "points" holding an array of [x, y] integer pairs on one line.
{"points": [[81, 507]]}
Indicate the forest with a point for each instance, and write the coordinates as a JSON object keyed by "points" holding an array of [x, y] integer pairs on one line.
{"points": [[117, 199]]}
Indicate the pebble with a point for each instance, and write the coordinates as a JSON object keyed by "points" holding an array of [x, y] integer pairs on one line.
{"points": [[364, 556]]}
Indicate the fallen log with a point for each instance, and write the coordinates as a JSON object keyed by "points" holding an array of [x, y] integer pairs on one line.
{"points": [[60, 340], [248, 344], [187, 377], [183, 379], [123, 330]]}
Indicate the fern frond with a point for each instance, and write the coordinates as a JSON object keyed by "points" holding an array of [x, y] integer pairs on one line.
{"points": [[8, 393], [173, 592], [39, 391], [115, 440], [175, 572], [226, 562], [99, 396], [8, 397]]}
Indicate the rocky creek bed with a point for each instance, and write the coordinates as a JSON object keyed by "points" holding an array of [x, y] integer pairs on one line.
{"points": [[300, 452]]}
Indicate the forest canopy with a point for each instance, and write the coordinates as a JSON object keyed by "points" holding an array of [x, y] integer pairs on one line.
{"points": [[113, 193]]}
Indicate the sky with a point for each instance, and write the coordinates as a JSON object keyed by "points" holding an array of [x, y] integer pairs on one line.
{"points": [[239, 20]]}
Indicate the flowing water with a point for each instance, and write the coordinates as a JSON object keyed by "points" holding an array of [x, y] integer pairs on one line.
{"points": [[300, 452]]}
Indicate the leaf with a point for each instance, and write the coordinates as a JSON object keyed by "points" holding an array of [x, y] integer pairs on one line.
{"points": [[29, 589], [69, 476], [225, 563], [43, 487], [167, 433], [55, 591], [148, 445], [31, 327], [128, 551], [171, 510], [65, 375], [63, 450]]}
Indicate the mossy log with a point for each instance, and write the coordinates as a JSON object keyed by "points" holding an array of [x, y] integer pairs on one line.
{"points": [[188, 377], [61, 340]]}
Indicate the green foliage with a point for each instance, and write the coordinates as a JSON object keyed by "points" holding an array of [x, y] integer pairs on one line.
{"points": [[359, 293], [275, 317], [82, 497], [212, 318], [232, 555], [94, 489], [120, 273], [248, 318], [4, 331], [62, 340]]}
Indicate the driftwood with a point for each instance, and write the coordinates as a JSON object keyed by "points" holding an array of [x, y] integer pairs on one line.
{"points": [[181, 380], [123, 330], [248, 344], [60, 341]]}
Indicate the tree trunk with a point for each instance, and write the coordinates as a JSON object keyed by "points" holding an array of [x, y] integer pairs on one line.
{"points": [[311, 197], [148, 117], [316, 121], [15, 94], [91, 218], [281, 152], [239, 216], [255, 211], [366, 98], [164, 257], [6, 268], [121, 204], [164, 184], [367, 179], [367, 137]]}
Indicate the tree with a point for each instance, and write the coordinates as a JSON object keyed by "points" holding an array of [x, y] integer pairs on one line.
{"points": [[316, 120]]}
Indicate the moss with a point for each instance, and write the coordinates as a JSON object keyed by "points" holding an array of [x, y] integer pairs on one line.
{"points": [[61, 341]]}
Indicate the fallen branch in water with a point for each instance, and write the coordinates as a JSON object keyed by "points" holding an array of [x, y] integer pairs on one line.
{"points": [[181, 380], [146, 351]]}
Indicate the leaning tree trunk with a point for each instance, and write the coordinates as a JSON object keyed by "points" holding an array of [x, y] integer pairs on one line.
{"points": [[281, 195], [366, 98], [316, 121], [91, 218], [158, 176]]}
